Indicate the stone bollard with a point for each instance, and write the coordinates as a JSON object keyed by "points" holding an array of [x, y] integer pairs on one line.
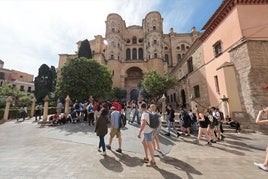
{"points": [[67, 104], [45, 109], [33, 107], [8, 102]]}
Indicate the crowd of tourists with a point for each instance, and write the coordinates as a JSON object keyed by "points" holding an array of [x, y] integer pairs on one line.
{"points": [[104, 115]]}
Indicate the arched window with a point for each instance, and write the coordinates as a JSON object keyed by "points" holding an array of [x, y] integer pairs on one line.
{"points": [[112, 57], [140, 53], [134, 54], [134, 40], [154, 27], [128, 54], [155, 55]]}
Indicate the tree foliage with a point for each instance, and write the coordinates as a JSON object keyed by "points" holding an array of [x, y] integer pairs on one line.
{"points": [[45, 82], [156, 84], [82, 77], [120, 94], [19, 97], [85, 50]]}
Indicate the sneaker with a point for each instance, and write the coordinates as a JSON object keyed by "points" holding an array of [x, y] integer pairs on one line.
{"points": [[209, 144], [212, 141], [261, 166], [145, 160], [196, 141], [167, 134], [108, 147], [99, 150], [119, 151], [103, 153]]}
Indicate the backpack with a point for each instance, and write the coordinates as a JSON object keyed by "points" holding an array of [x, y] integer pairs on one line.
{"points": [[90, 108], [122, 121], [153, 121]]}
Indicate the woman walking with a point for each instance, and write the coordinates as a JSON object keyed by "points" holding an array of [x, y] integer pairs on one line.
{"points": [[102, 129]]}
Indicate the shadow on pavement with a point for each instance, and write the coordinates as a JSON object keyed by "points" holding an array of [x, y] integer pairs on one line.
{"points": [[235, 152], [166, 174], [128, 160], [238, 147], [180, 165], [235, 137], [111, 164], [75, 127]]}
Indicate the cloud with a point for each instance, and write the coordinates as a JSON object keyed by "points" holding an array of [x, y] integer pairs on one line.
{"points": [[34, 32]]}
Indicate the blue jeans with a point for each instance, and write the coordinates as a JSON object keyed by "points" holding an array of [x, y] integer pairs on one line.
{"points": [[172, 125], [102, 143], [148, 137], [136, 113]]}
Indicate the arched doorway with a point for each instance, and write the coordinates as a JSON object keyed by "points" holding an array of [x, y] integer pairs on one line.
{"points": [[133, 77], [134, 95], [183, 98]]}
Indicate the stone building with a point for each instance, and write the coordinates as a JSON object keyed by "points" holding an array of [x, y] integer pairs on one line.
{"points": [[227, 66], [130, 52], [20, 80]]}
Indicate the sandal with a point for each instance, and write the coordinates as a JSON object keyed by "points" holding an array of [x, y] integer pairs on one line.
{"points": [[153, 164], [145, 160]]}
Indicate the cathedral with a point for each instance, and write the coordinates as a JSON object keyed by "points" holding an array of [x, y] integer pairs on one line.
{"points": [[130, 52], [225, 66]]}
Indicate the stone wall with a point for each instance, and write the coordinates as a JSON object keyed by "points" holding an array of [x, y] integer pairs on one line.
{"points": [[251, 65]]}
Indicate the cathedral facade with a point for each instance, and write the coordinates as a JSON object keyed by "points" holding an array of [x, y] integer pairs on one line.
{"points": [[130, 52]]}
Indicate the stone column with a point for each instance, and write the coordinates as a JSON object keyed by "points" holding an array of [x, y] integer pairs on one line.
{"points": [[67, 104], [8, 102], [224, 106], [163, 100], [45, 114], [33, 107]]}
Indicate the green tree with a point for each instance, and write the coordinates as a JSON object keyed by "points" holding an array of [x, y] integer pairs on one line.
{"points": [[85, 50], [120, 94], [20, 97], [142, 91], [156, 84], [82, 77], [45, 82]]}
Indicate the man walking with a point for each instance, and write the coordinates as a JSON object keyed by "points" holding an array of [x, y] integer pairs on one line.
{"points": [[148, 132], [171, 122], [115, 130]]}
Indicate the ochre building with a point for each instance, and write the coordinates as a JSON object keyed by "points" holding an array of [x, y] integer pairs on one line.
{"points": [[130, 52], [227, 67]]}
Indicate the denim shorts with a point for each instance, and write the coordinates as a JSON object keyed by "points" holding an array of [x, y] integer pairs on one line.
{"points": [[148, 137]]}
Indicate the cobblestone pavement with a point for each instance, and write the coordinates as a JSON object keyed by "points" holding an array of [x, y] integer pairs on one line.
{"points": [[28, 150]]}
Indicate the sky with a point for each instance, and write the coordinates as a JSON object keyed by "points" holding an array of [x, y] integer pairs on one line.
{"points": [[34, 32]]}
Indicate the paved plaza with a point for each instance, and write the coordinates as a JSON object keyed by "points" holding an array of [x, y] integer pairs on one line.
{"points": [[28, 150]]}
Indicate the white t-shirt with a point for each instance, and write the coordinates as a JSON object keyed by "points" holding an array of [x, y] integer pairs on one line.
{"points": [[145, 116]]}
